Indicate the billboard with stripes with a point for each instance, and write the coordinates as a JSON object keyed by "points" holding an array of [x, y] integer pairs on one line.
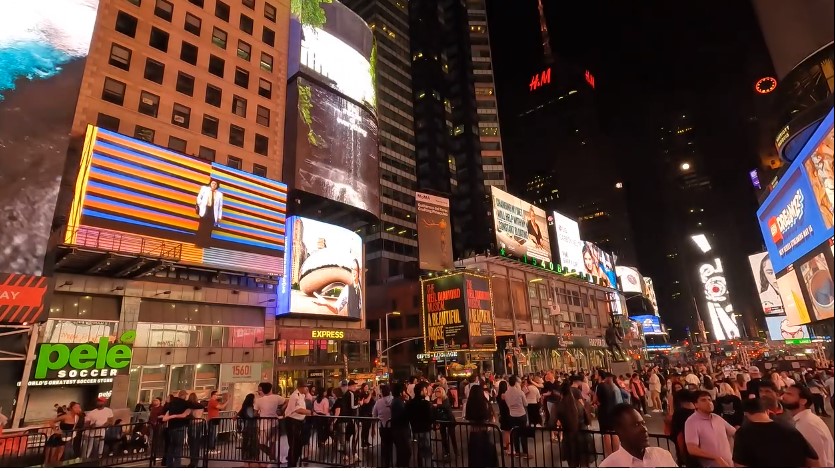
{"points": [[221, 216], [22, 298]]}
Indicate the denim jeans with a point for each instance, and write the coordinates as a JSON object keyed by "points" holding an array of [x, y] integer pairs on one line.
{"points": [[424, 449], [195, 439], [93, 444], [213, 433], [176, 440]]}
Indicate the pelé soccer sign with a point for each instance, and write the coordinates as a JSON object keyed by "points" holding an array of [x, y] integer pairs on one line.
{"points": [[60, 364]]}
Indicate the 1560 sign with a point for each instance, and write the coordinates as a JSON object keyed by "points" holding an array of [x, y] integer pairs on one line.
{"points": [[87, 363]]}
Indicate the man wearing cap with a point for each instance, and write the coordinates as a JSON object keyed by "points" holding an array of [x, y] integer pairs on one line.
{"points": [[754, 383], [296, 412], [99, 417]]}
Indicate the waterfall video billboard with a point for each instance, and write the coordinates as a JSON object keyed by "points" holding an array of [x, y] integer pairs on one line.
{"points": [[434, 232], [521, 228], [43, 50], [458, 313], [135, 197], [332, 147]]}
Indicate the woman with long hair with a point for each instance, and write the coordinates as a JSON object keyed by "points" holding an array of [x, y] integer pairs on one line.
{"points": [[505, 424], [250, 451], [481, 450], [321, 409], [729, 405], [769, 291], [195, 432], [59, 445], [573, 418], [442, 410]]}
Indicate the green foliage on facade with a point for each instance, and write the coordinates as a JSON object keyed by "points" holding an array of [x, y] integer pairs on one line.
{"points": [[305, 106], [310, 12]]}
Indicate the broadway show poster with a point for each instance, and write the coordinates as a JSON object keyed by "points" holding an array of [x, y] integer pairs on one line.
{"points": [[521, 228], [434, 232], [457, 313]]}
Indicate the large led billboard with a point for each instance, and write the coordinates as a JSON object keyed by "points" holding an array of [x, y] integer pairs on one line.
{"points": [[521, 228], [631, 280], [23, 299], [132, 195], [458, 313], [599, 264], [434, 232], [323, 271], [816, 282], [333, 147], [566, 244], [779, 328], [723, 325], [650, 324], [649, 293], [338, 54], [766, 282], [43, 50], [794, 305], [798, 214]]}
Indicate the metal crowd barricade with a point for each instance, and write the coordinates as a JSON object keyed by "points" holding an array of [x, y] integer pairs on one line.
{"points": [[340, 442], [538, 447], [22, 449], [241, 440], [460, 444]]}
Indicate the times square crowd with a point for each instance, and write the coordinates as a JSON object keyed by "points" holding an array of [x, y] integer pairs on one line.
{"points": [[736, 417]]}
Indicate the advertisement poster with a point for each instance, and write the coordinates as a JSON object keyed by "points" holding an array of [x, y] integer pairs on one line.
{"points": [[23, 298], [816, 276], [723, 325], [649, 293], [130, 192], [779, 328], [766, 282], [434, 232], [521, 228], [335, 147], [598, 263], [567, 246], [323, 271], [630, 279], [43, 50], [458, 313], [649, 324], [793, 303], [797, 215]]}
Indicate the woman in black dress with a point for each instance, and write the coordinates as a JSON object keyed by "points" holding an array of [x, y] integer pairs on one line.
{"points": [[250, 452]]}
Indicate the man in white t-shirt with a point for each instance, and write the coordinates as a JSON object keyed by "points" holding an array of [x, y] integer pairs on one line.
{"points": [[655, 390], [96, 419], [267, 406]]}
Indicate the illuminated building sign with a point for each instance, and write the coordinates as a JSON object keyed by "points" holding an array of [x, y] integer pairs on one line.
{"points": [[722, 320], [765, 85], [540, 79], [328, 334], [61, 364], [589, 79], [458, 313], [552, 267]]}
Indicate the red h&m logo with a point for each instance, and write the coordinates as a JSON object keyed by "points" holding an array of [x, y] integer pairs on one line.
{"points": [[590, 79], [540, 79], [22, 298]]}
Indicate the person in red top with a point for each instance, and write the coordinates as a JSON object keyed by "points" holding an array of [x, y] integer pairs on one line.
{"points": [[639, 394], [213, 415]]}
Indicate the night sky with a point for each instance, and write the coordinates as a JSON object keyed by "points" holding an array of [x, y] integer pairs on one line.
{"points": [[651, 58]]}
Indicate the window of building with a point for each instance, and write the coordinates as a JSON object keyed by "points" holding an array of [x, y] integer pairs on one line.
{"points": [[265, 88], [249, 4], [108, 122], [266, 62], [158, 39], [269, 12], [126, 24], [239, 106], [164, 10], [241, 77], [268, 36], [213, 95], [185, 84], [262, 116], [216, 65], [154, 71], [222, 10], [262, 144], [235, 163], [188, 53], [246, 24], [143, 134], [236, 135], [244, 50], [119, 57], [259, 170], [181, 116], [177, 144], [113, 91], [206, 153], [199, 3], [210, 126], [192, 24], [219, 38], [148, 104]]}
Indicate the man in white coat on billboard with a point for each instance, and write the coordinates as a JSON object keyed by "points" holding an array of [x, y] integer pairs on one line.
{"points": [[209, 208]]}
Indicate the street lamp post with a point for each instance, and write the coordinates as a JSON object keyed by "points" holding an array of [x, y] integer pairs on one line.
{"points": [[386, 318]]}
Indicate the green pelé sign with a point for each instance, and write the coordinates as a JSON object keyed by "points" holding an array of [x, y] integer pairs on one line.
{"points": [[84, 363]]}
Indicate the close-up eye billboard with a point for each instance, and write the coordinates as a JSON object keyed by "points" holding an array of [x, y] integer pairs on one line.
{"points": [[43, 50], [324, 272], [222, 217], [521, 228]]}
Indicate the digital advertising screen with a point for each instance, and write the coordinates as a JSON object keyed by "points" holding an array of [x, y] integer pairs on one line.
{"points": [[137, 195], [566, 243], [779, 328], [458, 313], [649, 293], [323, 271], [23, 299], [521, 228], [630, 279], [598, 263], [766, 283], [649, 324], [434, 232], [332, 147], [798, 214], [722, 320], [816, 282], [794, 305], [338, 54], [43, 51]]}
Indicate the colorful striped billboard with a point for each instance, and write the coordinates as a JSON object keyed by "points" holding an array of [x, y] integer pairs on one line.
{"points": [[22, 298], [221, 216]]}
